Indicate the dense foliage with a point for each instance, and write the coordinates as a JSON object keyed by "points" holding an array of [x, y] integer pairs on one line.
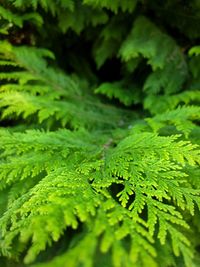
{"points": [[99, 104]]}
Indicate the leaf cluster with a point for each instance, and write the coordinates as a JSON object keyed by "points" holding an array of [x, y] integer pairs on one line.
{"points": [[99, 136]]}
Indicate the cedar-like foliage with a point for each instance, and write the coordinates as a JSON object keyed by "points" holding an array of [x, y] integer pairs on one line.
{"points": [[99, 134]]}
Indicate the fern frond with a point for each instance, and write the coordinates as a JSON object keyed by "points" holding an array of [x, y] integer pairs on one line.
{"points": [[81, 18], [10, 17], [47, 5], [158, 104], [168, 64], [19, 20], [160, 189], [40, 88], [120, 91], [182, 118], [114, 6], [109, 40], [151, 192], [70, 258]]}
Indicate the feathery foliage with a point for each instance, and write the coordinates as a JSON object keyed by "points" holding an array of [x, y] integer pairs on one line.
{"points": [[99, 135]]}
